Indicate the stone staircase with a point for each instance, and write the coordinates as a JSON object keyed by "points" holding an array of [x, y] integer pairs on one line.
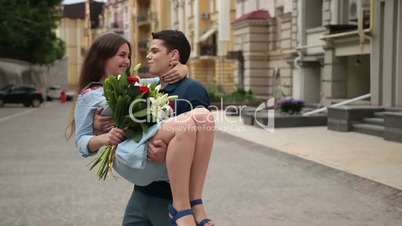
{"points": [[372, 125], [375, 125], [372, 120]]}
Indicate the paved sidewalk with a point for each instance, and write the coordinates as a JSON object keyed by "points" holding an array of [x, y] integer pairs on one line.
{"points": [[363, 155]]}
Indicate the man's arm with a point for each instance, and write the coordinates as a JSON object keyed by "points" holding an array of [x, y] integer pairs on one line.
{"points": [[101, 123], [156, 151]]}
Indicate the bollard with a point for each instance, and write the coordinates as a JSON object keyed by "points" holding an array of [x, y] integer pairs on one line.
{"points": [[63, 96]]}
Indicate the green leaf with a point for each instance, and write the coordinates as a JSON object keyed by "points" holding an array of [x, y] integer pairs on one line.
{"points": [[138, 103], [137, 137], [124, 111], [144, 127], [133, 91], [135, 69], [134, 133], [140, 113], [117, 114], [123, 82]]}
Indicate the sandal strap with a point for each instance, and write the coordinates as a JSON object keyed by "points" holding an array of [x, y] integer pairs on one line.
{"points": [[196, 202], [181, 214], [203, 222], [178, 214]]}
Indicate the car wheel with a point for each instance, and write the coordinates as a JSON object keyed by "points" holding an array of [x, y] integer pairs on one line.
{"points": [[1, 102], [27, 104], [35, 103]]}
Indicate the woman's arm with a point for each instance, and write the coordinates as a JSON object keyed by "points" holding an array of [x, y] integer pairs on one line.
{"points": [[177, 73], [114, 136], [88, 144]]}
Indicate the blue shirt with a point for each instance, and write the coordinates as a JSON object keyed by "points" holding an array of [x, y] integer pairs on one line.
{"points": [[191, 94]]}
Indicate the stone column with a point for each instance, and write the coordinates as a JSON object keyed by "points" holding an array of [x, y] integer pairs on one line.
{"points": [[334, 77]]}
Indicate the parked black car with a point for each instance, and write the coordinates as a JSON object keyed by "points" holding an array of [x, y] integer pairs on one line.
{"points": [[24, 94]]}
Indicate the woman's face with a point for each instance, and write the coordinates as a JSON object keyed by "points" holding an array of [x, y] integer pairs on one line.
{"points": [[118, 63]]}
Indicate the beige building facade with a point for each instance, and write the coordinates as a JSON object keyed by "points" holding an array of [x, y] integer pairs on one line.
{"points": [[77, 29], [72, 33], [355, 52], [321, 51], [206, 23], [264, 38], [386, 54]]}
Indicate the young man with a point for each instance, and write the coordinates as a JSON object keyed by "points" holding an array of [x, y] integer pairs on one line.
{"points": [[148, 204]]}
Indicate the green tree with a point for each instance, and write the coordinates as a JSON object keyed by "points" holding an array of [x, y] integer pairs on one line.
{"points": [[27, 30]]}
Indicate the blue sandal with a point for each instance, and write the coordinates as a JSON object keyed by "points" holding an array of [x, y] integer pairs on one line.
{"points": [[199, 202], [177, 215]]}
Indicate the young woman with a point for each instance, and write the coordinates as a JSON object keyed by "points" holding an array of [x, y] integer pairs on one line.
{"points": [[189, 136]]}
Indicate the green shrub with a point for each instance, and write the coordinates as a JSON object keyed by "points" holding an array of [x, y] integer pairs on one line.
{"points": [[216, 93]]}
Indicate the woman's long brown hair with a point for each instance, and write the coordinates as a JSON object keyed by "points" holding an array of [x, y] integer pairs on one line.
{"points": [[103, 48]]}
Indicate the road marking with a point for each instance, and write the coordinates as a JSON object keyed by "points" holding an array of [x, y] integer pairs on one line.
{"points": [[16, 115]]}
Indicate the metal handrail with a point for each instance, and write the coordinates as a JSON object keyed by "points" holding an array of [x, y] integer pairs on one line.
{"points": [[338, 104]]}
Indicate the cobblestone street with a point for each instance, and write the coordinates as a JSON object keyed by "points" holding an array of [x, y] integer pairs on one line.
{"points": [[44, 181]]}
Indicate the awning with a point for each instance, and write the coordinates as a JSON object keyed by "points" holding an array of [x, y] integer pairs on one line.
{"points": [[208, 33]]}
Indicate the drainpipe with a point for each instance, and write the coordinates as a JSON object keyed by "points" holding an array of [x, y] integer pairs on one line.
{"points": [[363, 32], [300, 34], [296, 65], [371, 63], [372, 8]]}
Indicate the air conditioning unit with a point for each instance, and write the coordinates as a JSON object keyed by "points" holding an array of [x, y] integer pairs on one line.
{"points": [[355, 7], [204, 16]]}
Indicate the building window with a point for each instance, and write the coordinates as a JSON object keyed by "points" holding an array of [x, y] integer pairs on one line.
{"points": [[313, 13]]}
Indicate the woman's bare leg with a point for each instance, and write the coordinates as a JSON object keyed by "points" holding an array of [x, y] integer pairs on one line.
{"points": [[205, 126], [180, 135]]}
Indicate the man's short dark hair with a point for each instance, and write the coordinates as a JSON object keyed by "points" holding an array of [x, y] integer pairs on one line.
{"points": [[174, 39]]}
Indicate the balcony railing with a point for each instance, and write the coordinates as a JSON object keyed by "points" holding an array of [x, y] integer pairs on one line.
{"points": [[208, 50]]}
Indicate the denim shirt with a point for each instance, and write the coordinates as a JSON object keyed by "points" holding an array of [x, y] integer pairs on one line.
{"points": [[87, 103]]}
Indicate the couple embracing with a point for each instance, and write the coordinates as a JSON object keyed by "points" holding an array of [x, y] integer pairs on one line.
{"points": [[170, 171]]}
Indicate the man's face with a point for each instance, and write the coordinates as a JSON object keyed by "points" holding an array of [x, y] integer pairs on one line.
{"points": [[118, 63], [158, 58]]}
